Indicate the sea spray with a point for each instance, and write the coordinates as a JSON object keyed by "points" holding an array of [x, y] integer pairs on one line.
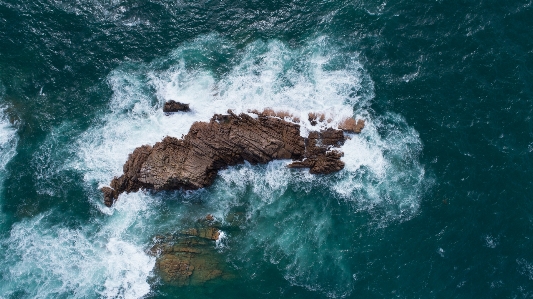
{"points": [[8, 139], [8, 146], [264, 75], [105, 257], [289, 218], [8, 133]]}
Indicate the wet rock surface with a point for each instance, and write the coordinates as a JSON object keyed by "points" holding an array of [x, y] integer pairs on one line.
{"points": [[319, 156], [352, 126], [173, 106], [190, 258], [193, 162]]}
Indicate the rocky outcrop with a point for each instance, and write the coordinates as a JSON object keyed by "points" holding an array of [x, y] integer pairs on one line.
{"points": [[193, 161], [173, 106]]}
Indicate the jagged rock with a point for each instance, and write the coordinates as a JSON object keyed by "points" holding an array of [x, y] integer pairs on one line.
{"points": [[314, 118], [109, 195], [173, 106], [318, 158], [193, 162]]}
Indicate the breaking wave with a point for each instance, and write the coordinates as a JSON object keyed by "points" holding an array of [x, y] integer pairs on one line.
{"points": [[290, 216], [8, 144], [103, 259]]}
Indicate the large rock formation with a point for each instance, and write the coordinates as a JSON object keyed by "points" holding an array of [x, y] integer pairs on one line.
{"points": [[193, 161]]}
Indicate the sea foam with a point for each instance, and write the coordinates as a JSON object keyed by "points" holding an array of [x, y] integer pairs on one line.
{"points": [[382, 178], [101, 259], [8, 144], [8, 134], [265, 75]]}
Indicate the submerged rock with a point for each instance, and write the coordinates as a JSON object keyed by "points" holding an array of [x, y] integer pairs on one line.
{"points": [[193, 162], [188, 261], [190, 257], [173, 106], [210, 233]]}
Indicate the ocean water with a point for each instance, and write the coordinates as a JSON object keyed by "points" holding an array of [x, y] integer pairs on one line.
{"points": [[434, 201]]}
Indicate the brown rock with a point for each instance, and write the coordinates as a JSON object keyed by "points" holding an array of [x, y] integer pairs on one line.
{"points": [[173, 106], [210, 233], [318, 158], [188, 260], [109, 196], [175, 268], [314, 118], [193, 162], [350, 125]]}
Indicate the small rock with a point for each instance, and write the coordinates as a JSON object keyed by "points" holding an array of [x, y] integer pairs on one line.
{"points": [[173, 106]]}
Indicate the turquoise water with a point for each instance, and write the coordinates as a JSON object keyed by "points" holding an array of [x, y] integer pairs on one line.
{"points": [[434, 201]]}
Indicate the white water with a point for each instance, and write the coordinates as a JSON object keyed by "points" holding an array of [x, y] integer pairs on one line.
{"points": [[8, 135], [8, 145], [382, 177], [105, 258], [8, 140], [266, 76]]}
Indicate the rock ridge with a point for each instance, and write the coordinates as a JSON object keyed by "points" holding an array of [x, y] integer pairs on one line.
{"points": [[193, 162]]}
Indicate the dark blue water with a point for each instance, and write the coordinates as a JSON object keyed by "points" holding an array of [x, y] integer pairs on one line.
{"points": [[434, 202]]}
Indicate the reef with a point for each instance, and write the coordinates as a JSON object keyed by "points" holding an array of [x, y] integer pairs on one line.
{"points": [[190, 257], [193, 161]]}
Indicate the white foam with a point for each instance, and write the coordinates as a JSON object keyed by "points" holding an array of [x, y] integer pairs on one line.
{"points": [[8, 145], [105, 258], [127, 265], [491, 241], [383, 169], [221, 241], [268, 75], [8, 139], [526, 268], [382, 177]]}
